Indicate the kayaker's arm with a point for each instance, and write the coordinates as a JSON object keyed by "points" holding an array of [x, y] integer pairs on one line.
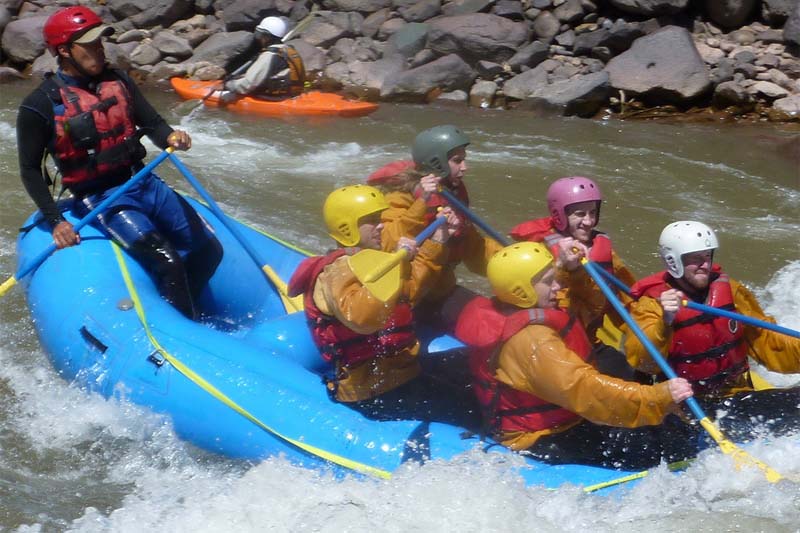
{"points": [[257, 73]]}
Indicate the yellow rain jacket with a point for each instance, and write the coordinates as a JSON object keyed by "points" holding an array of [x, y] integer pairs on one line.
{"points": [[537, 361], [776, 351], [338, 293]]}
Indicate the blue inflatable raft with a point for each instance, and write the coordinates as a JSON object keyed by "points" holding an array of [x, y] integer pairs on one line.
{"points": [[246, 382]]}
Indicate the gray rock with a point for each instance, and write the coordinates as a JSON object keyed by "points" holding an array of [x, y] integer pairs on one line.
{"points": [[768, 90], [448, 73], [408, 40], [421, 11], [373, 74], [546, 26], [791, 30], [729, 94], [476, 37], [651, 8], [775, 12], [581, 96], [43, 64], [482, 94], [730, 13], [488, 70], [371, 24], [454, 96], [170, 44], [145, 54], [364, 6], [22, 39], [527, 83], [388, 28], [422, 57], [510, 9], [529, 56], [223, 49], [788, 106], [723, 72], [314, 59], [466, 7], [665, 63], [8, 74], [570, 11]]}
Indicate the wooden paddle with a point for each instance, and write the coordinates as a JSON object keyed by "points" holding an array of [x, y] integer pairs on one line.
{"points": [[102, 206], [380, 272], [291, 304], [740, 457]]}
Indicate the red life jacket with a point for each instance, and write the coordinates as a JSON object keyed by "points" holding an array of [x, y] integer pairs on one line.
{"points": [[542, 230], [485, 327], [338, 343], [707, 350], [108, 124]]}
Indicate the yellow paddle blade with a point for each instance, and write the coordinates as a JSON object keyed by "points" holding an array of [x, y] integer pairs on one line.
{"points": [[379, 272], [759, 381], [292, 304], [609, 334], [740, 457], [7, 284]]}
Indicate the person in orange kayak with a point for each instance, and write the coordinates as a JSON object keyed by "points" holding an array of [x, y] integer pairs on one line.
{"points": [[278, 71], [537, 390], [411, 188], [708, 350], [570, 231], [371, 344]]}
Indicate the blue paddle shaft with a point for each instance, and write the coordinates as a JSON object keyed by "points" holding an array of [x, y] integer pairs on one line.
{"points": [[741, 318], [474, 218], [102, 206], [251, 251], [429, 230], [651, 349]]}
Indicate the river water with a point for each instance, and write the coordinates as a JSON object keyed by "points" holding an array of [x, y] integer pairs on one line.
{"points": [[70, 461]]}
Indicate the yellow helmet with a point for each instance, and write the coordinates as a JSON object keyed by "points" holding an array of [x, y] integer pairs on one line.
{"points": [[344, 207], [511, 269]]}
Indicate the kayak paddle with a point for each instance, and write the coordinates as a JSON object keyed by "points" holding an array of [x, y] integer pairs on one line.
{"points": [[741, 458], [291, 305], [380, 271], [102, 206]]}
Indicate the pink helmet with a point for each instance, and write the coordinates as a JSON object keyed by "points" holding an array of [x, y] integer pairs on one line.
{"points": [[567, 191]]}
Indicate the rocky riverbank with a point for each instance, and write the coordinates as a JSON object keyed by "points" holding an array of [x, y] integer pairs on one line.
{"points": [[717, 58]]}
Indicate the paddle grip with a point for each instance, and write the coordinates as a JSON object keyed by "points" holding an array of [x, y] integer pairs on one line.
{"points": [[451, 198], [102, 206], [429, 230]]}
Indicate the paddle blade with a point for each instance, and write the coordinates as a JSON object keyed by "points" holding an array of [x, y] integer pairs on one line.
{"points": [[291, 304], [366, 264], [740, 457], [7, 284]]}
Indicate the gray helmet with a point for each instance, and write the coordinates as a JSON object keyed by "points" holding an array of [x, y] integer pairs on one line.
{"points": [[431, 148]]}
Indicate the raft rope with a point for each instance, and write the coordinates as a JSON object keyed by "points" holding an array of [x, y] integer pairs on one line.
{"points": [[219, 395]]}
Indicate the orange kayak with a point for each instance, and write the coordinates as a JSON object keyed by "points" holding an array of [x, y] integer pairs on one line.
{"points": [[312, 103]]}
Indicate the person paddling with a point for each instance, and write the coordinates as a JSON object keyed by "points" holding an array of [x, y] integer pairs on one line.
{"points": [[570, 231], [89, 118], [710, 351], [537, 389], [371, 343], [278, 71], [411, 187]]}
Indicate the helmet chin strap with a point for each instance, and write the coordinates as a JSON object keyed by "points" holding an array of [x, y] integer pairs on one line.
{"points": [[75, 65]]}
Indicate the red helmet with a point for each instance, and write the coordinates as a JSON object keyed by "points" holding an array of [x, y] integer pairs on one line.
{"points": [[68, 24]]}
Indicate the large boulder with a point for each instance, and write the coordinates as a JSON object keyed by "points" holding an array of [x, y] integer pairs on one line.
{"points": [[149, 13], [22, 39], [222, 49], [582, 95], [448, 73], [664, 64], [730, 13], [477, 37], [791, 30], [649, 8]]}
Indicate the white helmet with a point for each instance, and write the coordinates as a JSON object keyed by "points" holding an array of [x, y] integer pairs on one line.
{"points": [[684, 237], [273, 25]]}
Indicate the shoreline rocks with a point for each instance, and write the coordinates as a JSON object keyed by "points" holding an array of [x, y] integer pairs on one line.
{"points": [[631, 58]]}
